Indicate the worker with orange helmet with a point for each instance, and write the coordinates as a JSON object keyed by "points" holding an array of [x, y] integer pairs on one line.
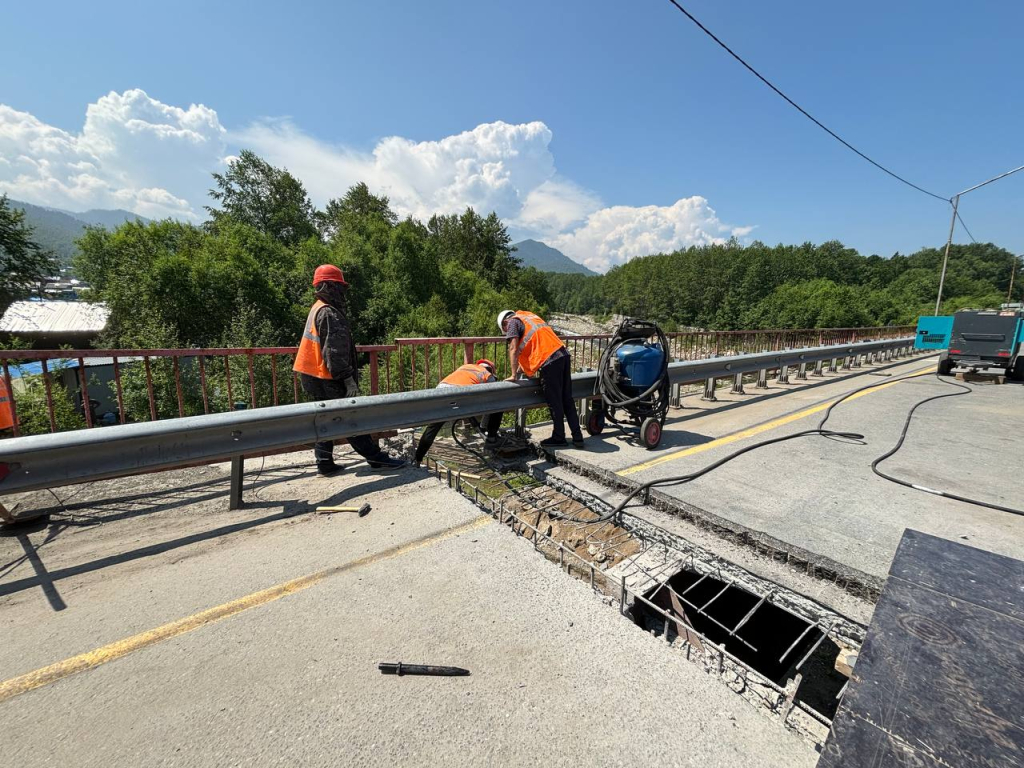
{"points": [[327, 365], [480, 372], [535, 350]]}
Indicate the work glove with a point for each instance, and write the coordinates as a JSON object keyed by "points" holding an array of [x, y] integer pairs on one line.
{"points": [[351, 387]]}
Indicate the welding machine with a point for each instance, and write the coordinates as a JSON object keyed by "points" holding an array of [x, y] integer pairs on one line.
{"points": [[632, 382]]}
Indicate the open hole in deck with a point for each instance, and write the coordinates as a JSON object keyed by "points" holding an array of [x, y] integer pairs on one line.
{"points": [[765, 637]]}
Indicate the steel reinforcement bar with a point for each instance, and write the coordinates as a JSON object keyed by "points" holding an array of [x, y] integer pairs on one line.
{"points": [[52, 460]]}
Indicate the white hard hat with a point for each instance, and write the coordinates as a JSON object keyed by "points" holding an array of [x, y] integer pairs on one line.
{"points": [[501, 318]]}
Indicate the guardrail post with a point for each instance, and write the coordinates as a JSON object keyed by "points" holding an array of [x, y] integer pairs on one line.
{"points": [[521, 422], [856, 360], [783, 377], [737, 385], [237, 470], [709, 391], [817, 368], [762, 379], [833, 365], [676, 397], [846, 363], [801, 372]]}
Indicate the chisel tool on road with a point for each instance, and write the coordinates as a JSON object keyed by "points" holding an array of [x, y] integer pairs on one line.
{"points": [[400, 669], [362, 511]]}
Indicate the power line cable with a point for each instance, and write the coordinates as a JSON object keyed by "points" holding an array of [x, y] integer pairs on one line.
{"points": [[800, 109], [965, 227]]}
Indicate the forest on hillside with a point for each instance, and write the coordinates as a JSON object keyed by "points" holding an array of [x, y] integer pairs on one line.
{"points": [[243, 277], [731, 286]]}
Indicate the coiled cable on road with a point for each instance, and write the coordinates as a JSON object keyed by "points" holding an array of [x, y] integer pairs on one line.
{"points": [[821, 431]]}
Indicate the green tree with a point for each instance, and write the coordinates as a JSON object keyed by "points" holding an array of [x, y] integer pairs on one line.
{"points": [[477, 243], [352, 211], [268, 199], [22, 262]]}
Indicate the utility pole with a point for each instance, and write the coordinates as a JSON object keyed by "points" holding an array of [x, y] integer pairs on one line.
{"points": [[1013, 272], [955, 202], [945, 259]]}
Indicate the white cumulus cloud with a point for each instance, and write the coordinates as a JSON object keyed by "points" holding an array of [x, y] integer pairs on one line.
{"points": [[155, 159], [133, 152], [614, 235], [496, 166]]}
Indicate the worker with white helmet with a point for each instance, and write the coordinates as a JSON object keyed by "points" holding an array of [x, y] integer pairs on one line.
{"points": [[535, 350]]}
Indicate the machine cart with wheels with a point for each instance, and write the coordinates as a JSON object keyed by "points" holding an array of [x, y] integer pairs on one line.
{"points": [[633, 382]]}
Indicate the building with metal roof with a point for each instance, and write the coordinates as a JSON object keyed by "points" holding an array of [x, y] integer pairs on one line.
{"points": [[55, 322]]}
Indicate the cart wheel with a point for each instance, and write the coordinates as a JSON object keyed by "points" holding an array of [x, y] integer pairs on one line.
{"points": [[650, 432], [595, 423]]}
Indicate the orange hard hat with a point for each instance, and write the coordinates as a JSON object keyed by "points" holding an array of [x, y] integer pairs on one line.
{"points": [[328, 273], [485, 363]]}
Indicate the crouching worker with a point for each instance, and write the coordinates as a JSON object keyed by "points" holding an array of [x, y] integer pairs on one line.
{"points": [[480, 372], [534, 348], [326, 364]]}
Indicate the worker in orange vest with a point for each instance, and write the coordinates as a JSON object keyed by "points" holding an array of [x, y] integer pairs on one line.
{"points": [[480, 372], [535, 349], [327, 366]]}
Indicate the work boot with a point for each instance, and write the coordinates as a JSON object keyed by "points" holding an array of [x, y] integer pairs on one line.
{"points": [[554, 442], [577, 442], [327, 469], [386, 463]]}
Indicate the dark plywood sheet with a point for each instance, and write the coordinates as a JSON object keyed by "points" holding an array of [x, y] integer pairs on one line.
{"points": [[940, 678], [979, 577]]}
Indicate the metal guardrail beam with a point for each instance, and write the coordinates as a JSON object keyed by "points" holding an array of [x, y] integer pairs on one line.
{"points": [[48, 461]]}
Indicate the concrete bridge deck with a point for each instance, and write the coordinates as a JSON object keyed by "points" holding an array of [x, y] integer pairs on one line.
{"points": [[817, 497], [147, 625]]}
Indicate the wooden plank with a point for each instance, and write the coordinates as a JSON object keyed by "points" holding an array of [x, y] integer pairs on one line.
{"points": [[684, 627]]}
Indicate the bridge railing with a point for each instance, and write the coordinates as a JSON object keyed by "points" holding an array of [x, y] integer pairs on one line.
{"points": [[45, 389], [47, 461]]}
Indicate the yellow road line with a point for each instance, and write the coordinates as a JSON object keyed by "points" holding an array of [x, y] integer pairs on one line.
{"points": [[750, 432], [84, 661]]}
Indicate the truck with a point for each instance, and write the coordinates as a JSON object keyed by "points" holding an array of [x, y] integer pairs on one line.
{"points": [[976, 339]]}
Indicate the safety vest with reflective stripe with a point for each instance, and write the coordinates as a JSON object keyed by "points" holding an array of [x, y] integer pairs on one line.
{"points": [[467, 375], [539, 343], [310, 359], [6, 415]]}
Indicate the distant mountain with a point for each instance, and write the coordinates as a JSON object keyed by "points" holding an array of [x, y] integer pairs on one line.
{"points": [[108, 219], [547, 259], [56, 230]]}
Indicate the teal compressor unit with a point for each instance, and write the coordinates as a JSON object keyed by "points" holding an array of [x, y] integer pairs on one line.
{"points": [[971, 338]]}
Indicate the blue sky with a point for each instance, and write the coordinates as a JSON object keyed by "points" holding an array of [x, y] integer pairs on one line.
{"points": [[639, 111]]}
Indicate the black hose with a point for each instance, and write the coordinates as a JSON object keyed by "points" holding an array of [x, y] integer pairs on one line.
{"points": [[964, 390], [819, 430]]}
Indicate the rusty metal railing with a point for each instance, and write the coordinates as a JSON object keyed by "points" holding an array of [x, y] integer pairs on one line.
{"points": [[154, 384]]}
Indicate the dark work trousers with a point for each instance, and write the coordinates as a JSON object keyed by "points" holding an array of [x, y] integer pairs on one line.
{"points": [[331, 389], [556, 381], [492, 422]]}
